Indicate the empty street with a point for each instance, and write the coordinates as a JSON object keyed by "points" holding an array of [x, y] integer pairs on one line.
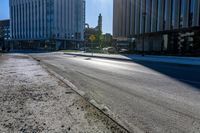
{"points": [[147, 96]]}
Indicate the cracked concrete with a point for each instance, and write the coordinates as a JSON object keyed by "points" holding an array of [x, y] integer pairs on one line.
{"points": [[33, 101]]}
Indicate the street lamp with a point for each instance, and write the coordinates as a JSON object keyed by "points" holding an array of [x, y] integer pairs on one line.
{"points": [[144, 18]]}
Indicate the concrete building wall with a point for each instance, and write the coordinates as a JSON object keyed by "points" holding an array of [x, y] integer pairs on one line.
{"points": [[137, 15], [162, 16], [132, 18], [168, 14], [115, 22], [128, 16], [186, 13], [196, 11], [154, 16], [143, 9], [176, 18], [148, 15]]}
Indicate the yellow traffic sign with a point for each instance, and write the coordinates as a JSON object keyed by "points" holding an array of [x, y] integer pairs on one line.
{"points": [[92, 38]]}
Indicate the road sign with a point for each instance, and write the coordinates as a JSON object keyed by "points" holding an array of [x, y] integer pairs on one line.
{"points": [[92, 38]]}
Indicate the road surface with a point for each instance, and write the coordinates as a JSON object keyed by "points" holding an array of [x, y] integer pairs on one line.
{"points": [[154, 97], [33, 101]]}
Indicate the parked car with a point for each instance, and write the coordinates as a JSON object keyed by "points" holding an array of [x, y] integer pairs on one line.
{"points": [[109, 50], [123, 50]]}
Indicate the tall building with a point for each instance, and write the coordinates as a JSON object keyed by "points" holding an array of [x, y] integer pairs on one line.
{"points": [[100, 23], [5, 29], [161, 25], [4, 33], [57, 20], [97, 31]]}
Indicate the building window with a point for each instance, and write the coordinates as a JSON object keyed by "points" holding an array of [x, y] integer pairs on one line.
{"points": [[199, 13], [181, 16], [142, 10], [124, 7], [20, 18], [36, 21], [173, 14], [32, 17], [150, 14], [165, 14], [159, 15], [130, 15], [138, 15], [29, 21], [154, 16], [39, 20], [49, 17], [191, 13]]}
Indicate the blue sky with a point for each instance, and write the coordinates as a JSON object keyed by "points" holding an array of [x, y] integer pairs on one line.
{"points": [[4, 9], [105, 7], [93, 8]]}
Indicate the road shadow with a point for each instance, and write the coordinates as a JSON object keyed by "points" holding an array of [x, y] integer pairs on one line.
{"points": [[30, 51], [188, 74]]}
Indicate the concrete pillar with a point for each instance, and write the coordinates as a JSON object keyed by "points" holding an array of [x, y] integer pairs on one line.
{"points": [[154, 16], [168, 15], [58, 44], [128, 14], [160, 15], [120, 18], [142, 10], [34, 19], [196, 13], [165, 39], [65, 44], [186, 14], [176, 14], [132, 20], [45, 20], [124, 7], [30, 20], [38, 18], [21, 21], [148, 16], [137, 15]]}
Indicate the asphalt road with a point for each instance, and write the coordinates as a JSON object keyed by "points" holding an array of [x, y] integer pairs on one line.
{"points": [[154, 97], [34, 101]]}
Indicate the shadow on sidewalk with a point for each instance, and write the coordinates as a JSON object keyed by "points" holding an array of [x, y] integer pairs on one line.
{"points": [[188, 74]]}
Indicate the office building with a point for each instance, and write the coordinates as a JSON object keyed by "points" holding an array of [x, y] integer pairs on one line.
{"points": [[4, 33], [5, 29], [58, 21], [170, 26]]}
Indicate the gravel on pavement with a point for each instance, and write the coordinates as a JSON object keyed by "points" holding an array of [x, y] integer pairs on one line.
{"points": [[33, 101]]}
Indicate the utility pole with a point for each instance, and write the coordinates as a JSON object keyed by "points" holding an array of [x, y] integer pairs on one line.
{"points": [[92, 38]]}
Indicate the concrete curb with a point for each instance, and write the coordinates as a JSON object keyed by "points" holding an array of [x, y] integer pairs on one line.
{"points": [[102, 108], [130, 60], [101, 57]]}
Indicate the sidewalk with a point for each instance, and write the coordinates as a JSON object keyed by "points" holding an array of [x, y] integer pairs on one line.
{"points": [[150, 58], [32, 100]]}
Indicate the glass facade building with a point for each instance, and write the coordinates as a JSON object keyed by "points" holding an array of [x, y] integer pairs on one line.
{"points": [[47, 19], [4, 33], [4, 29]]}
